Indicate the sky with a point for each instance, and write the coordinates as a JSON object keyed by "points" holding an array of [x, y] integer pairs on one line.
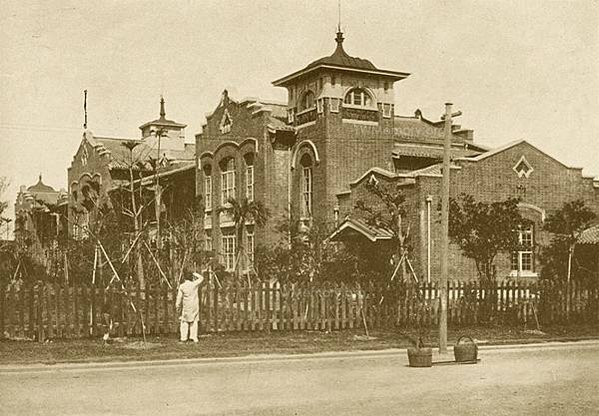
{"points": [[516, 69]]}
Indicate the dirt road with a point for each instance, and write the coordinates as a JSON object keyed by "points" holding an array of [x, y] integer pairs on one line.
{"points": [[549, 380]]}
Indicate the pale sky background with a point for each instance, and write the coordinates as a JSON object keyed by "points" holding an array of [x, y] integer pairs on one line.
{"points": [[517, 69]]}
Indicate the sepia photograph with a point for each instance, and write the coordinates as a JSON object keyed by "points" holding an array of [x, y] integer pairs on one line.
{"points": [[311, 207]]}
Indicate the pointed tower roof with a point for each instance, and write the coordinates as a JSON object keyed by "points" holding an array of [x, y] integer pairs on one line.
{"points": [[162, 121], [40, 187], [341, 60]]}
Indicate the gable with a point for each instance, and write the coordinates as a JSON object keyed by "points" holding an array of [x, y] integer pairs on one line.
{"points": [[231, 119], [519, 170], [523, 159], [383, 175], [353, 228], [87, 159]]}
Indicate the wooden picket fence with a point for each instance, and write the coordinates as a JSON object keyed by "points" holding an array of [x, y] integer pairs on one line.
{"points": [[57, 311]]}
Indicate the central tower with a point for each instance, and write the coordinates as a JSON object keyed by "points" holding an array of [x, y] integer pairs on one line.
{"points": [[342, 110], [343, 85]]}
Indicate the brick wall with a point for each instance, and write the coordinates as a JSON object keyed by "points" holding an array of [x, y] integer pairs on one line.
{"points": [[248, 134], [96, 167], [548, 187]]}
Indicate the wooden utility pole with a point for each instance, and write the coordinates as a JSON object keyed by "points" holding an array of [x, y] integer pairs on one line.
{"points": [[445, 230]]}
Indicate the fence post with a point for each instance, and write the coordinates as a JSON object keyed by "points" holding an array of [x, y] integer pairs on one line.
{"points": [[39, 319], [146, 329], [2, 312], [215, 300], [32, 317]]}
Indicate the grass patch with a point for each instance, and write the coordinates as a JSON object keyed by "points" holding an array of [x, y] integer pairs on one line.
{"points": [[255, 343]]}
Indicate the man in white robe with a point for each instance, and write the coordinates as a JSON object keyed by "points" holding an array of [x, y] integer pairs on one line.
{"points": [[188, 306]]}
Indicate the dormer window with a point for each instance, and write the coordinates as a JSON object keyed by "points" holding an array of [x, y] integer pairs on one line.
{"points": [[358, 97], [307, 102], [226, 123], [387, 110], [84, 156]]}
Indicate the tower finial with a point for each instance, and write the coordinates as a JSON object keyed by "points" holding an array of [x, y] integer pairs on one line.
{"points": [[162, 112], [339, 38], [85, 109], [339, 21]]}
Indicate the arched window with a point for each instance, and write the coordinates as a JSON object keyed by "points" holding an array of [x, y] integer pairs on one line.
{"points": [[249, 176], [207, 169], [306, 186], [307, 101], [358, 97], [227, 180]]}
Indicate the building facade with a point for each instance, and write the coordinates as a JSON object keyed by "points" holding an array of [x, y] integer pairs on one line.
{"points": [[307, 160], [40, 218], [299, 158], [516, 170], [103, 168]]}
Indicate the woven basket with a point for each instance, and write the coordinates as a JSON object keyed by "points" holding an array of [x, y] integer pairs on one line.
{"points": [[465, 351], [420, 357]]}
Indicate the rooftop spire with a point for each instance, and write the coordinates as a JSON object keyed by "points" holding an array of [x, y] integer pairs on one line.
{"points": [[339, 38], [85, 109], [162, 112]]}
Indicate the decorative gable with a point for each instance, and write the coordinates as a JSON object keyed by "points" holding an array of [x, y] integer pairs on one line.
{"points": [[523, 168]]}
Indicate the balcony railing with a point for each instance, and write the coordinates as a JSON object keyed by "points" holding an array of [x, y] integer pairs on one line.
{"points": [[306, 116]]}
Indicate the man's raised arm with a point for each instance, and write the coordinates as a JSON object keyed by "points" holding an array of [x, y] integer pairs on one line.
{"points": [[198, 278]]}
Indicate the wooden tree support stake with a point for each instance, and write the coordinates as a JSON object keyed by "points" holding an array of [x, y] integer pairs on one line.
{"points": [[158, 265]]}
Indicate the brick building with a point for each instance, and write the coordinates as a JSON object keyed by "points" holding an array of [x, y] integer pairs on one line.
{"points": [[517, 169], [308, 159], [40, 217], [244, 151], [104, 165]]}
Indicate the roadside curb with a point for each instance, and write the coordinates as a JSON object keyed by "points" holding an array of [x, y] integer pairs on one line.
{"points": [[261, 358]]}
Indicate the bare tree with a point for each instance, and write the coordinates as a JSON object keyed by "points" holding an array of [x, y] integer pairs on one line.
{"points": [[136, 207], [4, 221], [390, 218]]}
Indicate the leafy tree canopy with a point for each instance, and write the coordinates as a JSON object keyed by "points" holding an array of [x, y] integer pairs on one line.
{"points": [[482, 230], [572, 218], [560, 260]]}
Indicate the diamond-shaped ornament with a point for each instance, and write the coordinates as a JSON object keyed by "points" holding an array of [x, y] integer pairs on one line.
{"points": [[523, 168]]}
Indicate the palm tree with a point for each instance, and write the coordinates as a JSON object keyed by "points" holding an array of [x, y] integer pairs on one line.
{"points": [[242, 211]]}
